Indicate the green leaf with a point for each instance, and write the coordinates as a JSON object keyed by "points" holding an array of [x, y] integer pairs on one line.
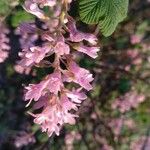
{"points": [[106, 13], [21, 16]]}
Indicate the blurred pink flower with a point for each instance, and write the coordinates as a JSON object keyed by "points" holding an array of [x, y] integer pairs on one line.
{"points": [[128, 101], [134, 54], [4, 49], [23, 139], [116, 125], [135, 39], [139, 143], [3, 55], [70, 138]]}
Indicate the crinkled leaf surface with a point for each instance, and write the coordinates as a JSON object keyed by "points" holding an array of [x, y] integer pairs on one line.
{"points": [[106, 13]]}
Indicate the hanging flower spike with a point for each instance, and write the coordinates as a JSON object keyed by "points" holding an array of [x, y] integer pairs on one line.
{"points": [[51, 94]]}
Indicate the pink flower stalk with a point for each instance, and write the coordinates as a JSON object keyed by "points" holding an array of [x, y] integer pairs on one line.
{"points": [[51, 94], [4, 50]]}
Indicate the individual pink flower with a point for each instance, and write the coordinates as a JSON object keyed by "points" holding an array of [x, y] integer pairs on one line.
{"points": [[32, 7], [76, 95], [33, 55], [61, 48], [90, 51], [79, 75], [58, 44], [77, 36], [52, 83]]}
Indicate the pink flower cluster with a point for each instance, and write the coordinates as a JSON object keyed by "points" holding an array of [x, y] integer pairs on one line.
{"points": [[117, 124], [142, 143], [128, 101], [4, 50], [23, 139], [59, 37], [135, 56]]}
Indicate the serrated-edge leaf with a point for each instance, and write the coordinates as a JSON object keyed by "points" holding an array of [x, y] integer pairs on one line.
{"points": [[106, 13]]}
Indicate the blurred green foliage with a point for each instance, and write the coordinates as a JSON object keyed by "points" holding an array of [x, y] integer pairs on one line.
{"points": [[21, 16], [6, 6]]}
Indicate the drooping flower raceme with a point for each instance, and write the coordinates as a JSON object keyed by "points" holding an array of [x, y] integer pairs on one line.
{"points": [[59, 37]]}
